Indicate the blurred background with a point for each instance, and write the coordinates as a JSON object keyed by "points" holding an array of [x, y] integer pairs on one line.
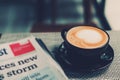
{"points": [[54, 15]]}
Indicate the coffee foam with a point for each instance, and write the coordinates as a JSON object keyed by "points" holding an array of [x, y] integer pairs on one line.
{"points": [[87, 37]]}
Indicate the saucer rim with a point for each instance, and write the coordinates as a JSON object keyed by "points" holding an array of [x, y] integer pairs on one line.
{"points": [[102, 66]]}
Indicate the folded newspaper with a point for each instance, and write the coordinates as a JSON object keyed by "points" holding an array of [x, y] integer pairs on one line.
{"points": [[25, 59]]}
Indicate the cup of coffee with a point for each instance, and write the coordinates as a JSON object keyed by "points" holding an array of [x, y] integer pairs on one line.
{"points": [[84, 45]]}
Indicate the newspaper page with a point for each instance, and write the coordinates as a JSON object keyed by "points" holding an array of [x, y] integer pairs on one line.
{"points": [[26, 60]]}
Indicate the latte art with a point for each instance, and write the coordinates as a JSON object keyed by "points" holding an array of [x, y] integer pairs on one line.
{"points": [[87, 37]]}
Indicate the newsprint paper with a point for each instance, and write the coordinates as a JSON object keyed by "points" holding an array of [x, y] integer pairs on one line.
{"points": [[26, 60]]}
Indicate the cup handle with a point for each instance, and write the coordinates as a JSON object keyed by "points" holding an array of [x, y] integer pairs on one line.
{"points": [[63, 33], [106, 57]]}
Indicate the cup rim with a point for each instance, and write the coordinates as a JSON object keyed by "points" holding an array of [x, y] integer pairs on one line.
{"points": [[89, 48]]}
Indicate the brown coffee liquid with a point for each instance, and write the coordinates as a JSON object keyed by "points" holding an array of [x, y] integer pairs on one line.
{"points": [[87, 37]]}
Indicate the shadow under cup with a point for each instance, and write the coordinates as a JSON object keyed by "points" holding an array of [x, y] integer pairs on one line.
{"points": [[77, 56]]}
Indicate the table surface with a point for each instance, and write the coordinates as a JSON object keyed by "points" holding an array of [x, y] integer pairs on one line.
{"points": [[53, 40]]}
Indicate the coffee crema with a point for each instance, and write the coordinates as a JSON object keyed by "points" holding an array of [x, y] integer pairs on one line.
{"points": [[87, 37]]}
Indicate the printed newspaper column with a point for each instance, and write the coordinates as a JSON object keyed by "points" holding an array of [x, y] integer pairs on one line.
{"points": [[26, 60]]}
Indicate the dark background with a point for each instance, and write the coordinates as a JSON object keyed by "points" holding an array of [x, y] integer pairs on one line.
{"points": [[50, 15]]}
